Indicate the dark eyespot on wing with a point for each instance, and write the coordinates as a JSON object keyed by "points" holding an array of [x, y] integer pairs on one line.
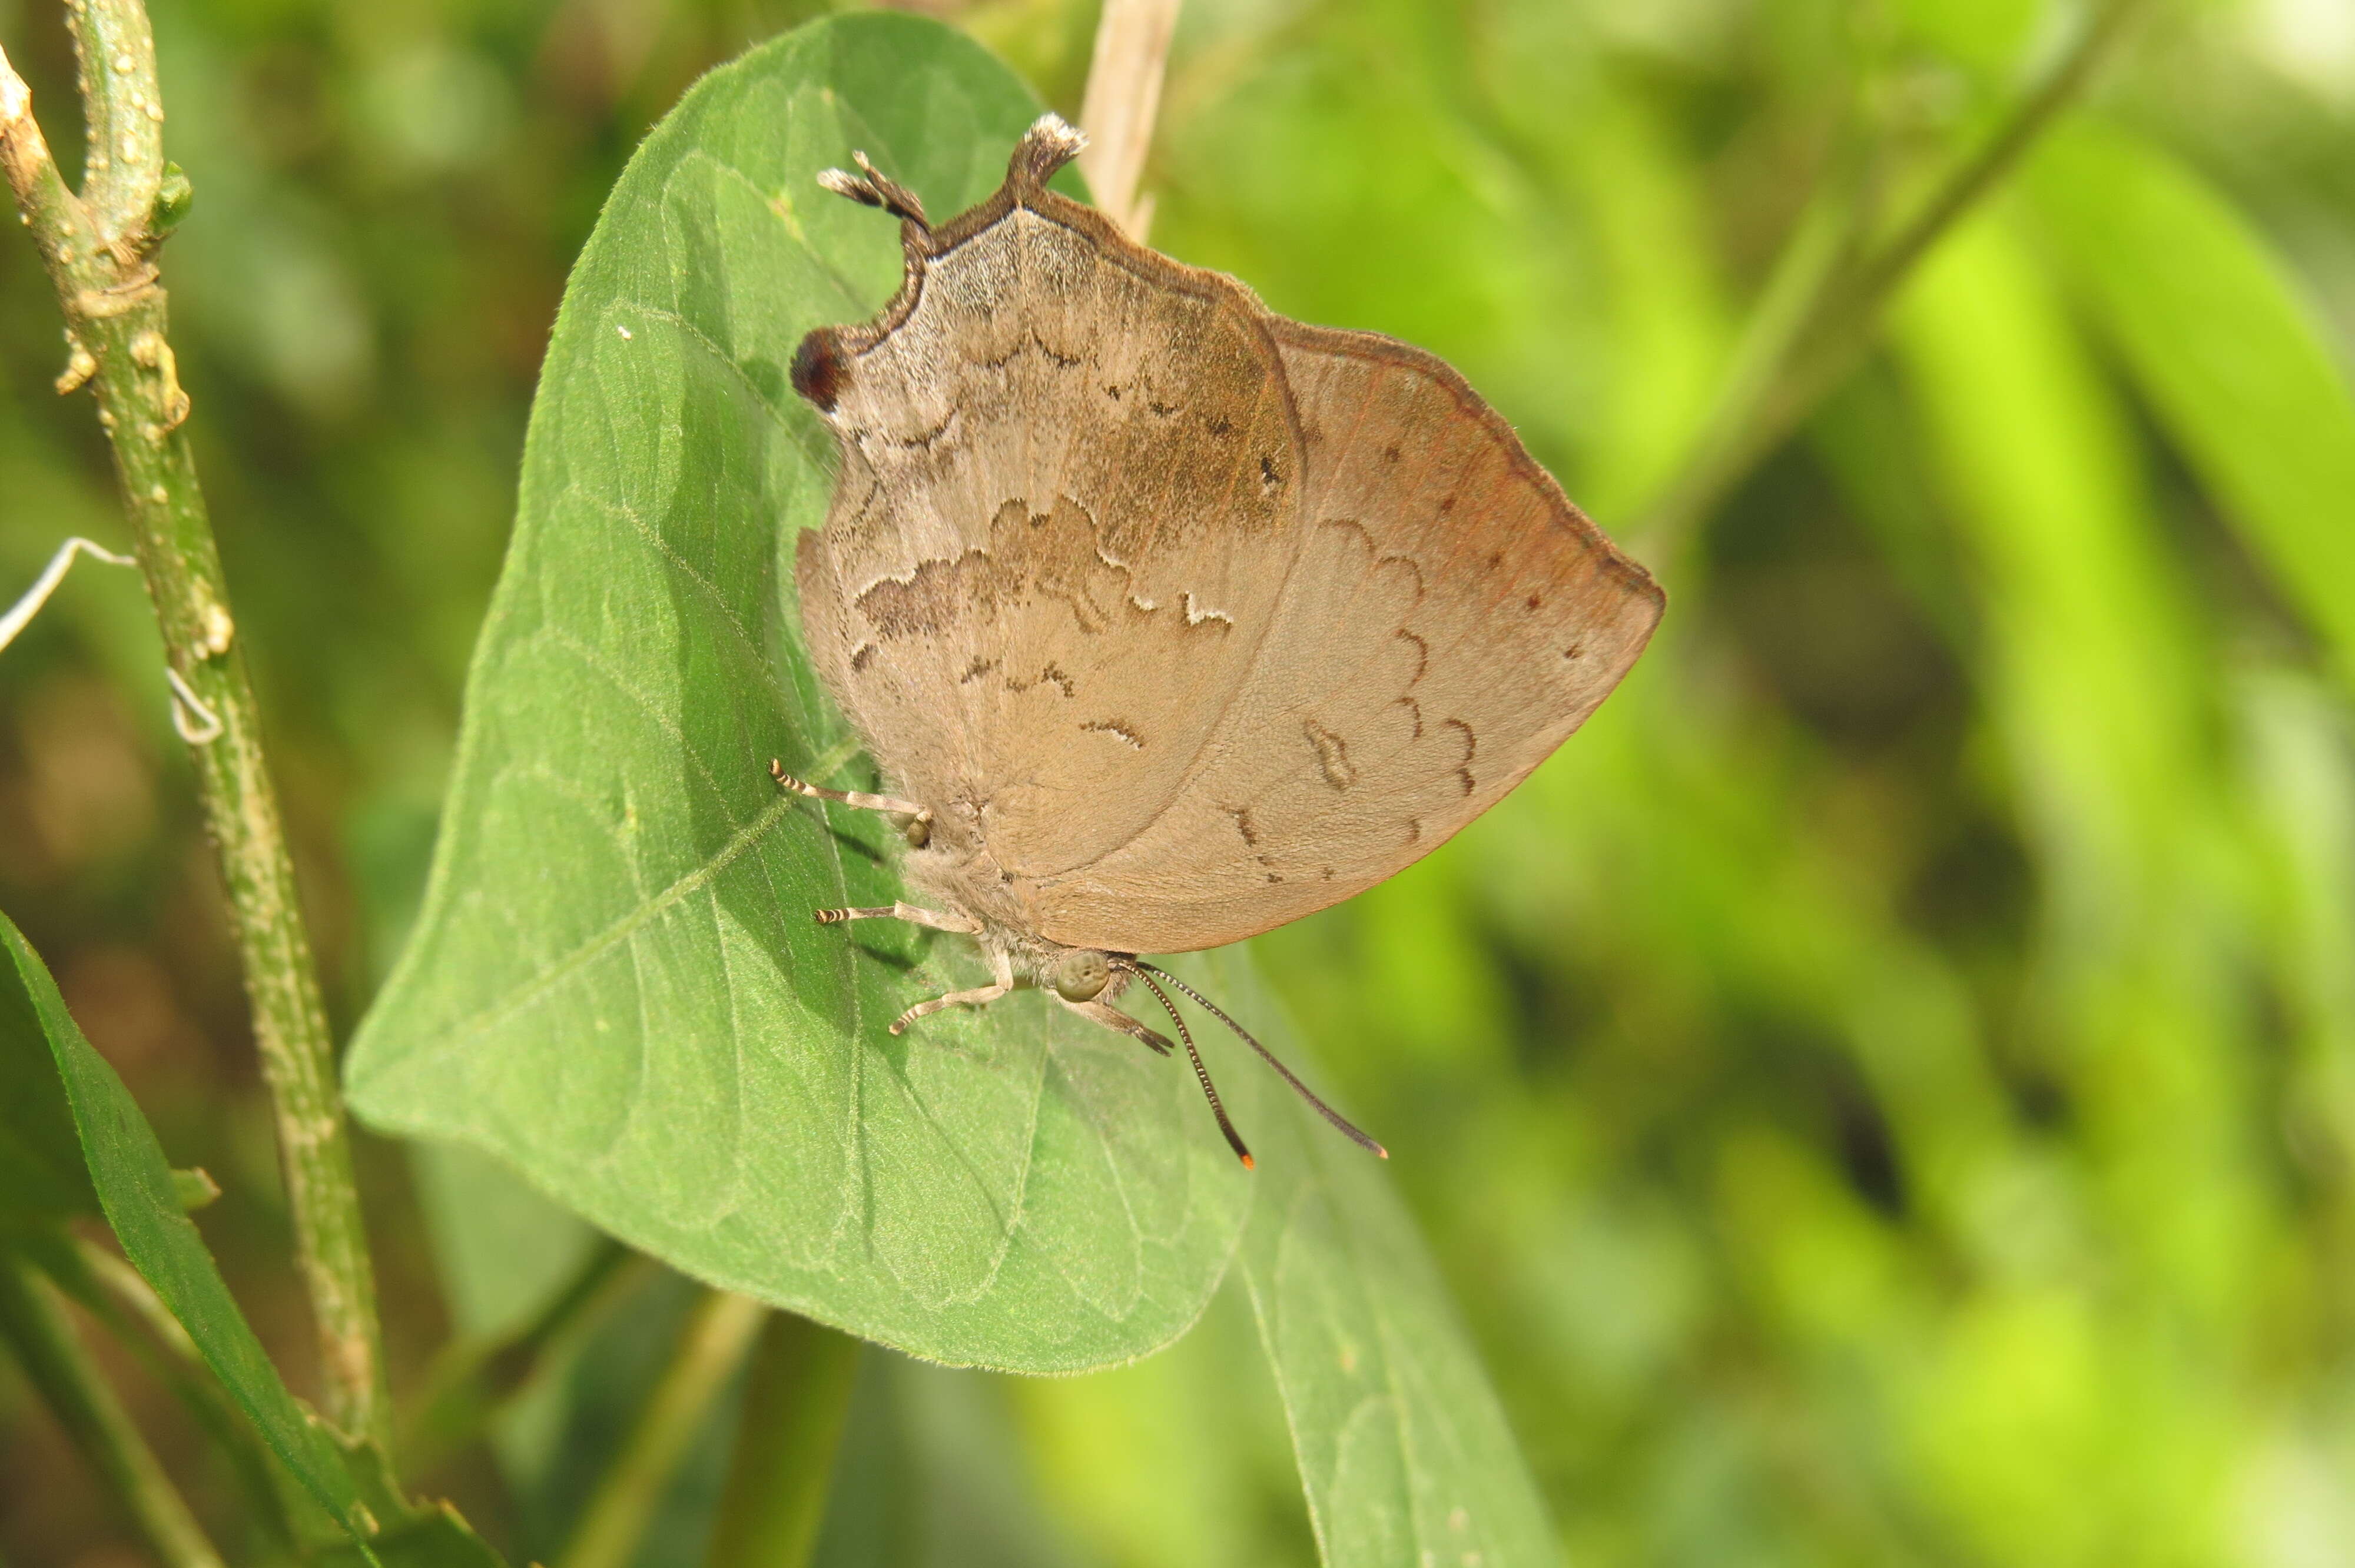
{"points": [[820, 369]]}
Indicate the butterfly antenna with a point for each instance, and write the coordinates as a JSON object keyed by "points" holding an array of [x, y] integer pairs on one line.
{"points": [[1234, 1140], [1347, 1128]]}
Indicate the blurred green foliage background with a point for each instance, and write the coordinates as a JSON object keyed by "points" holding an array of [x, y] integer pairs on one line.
{"points": [[1884, 1094]]}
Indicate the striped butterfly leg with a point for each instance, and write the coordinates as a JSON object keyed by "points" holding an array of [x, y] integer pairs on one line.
{"points": [[1002, 981], [937, 919], [1002, 970], [911, 819], [916, 822], [1116, 1020]]}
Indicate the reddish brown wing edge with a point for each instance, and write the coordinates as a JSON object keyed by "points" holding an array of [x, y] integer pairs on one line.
{"points": [[1374, 345]]}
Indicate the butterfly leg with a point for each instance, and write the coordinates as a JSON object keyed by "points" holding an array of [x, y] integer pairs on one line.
{"points": [[935, 918], [1002, 977], [1120, 1023], [915, 821]]}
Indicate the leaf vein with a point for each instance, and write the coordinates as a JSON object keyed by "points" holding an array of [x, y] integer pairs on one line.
{"points": [[622, 929]]}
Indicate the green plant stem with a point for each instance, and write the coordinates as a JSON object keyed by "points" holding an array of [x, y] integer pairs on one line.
{"points": [[718, 1333], [471, 1379], [98, 247], [33, 1319], [1820, 310], [797, 1398]]}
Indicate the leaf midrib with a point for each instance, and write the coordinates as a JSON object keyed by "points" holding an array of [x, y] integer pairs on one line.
{"points": [[623, 927]]}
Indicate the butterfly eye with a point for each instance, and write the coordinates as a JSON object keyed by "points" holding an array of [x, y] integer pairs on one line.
{"points": [[1082, 976]]}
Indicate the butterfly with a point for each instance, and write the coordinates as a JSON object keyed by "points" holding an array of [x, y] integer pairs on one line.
{"points": [[1168, 620]]}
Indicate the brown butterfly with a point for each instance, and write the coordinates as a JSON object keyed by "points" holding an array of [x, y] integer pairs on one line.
{"points": [[1168, 620]]}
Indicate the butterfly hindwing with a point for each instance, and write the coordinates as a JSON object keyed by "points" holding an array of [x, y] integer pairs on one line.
{"points": [[1450, 619]]}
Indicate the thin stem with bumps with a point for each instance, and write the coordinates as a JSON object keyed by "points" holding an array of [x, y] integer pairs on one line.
{"points": [[99, 246]]}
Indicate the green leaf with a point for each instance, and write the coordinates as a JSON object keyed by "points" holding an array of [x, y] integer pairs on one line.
{"points": [[1172, 1461], [616, 984], [408, 1534], [196, 1188], [2102, 684], [130, 1311], [41, 1174], [1402, 1448], [434, 1536], [502, 1250], [2229, 354], [133, 1185]]}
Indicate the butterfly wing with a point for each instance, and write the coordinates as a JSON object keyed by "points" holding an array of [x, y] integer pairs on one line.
{"points": [[1449, 619], [1064, 513]]}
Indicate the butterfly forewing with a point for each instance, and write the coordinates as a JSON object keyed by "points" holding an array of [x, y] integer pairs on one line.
{"points": [[1066, 511]]}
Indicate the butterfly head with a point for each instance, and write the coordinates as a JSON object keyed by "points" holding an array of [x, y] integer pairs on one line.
{"points": [[1080, 975]]}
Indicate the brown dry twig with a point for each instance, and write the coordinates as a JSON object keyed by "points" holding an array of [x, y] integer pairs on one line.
{"points": [[1123, 96]]}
